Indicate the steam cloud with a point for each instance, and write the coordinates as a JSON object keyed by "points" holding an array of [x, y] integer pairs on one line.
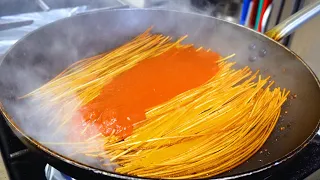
{"points": [[25, 74]]}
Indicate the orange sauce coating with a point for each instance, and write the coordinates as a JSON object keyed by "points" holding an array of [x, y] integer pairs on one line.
{"points": [[124, 100]]}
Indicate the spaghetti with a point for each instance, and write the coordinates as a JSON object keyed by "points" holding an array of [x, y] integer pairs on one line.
{"points": [[206, 128]]}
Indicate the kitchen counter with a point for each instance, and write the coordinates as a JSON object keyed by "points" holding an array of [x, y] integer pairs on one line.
{"points": [[3, 172]]}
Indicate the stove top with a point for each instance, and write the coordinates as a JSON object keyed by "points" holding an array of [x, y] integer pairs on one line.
{"points": [[21, 163]]}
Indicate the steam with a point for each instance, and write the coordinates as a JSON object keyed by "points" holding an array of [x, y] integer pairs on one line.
{"points": [[23, 73], [31, 68], [179, 5], [43, 122]]}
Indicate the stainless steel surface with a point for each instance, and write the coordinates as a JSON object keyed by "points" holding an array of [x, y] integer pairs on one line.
{"points": [[104, 30], [5, 25], [286, 27], [226, 10], [103, 9], [306, 42], [43, 5], [10, 36]]}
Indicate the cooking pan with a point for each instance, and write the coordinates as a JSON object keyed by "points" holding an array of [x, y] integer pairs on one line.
{"points": [[42, 54]]}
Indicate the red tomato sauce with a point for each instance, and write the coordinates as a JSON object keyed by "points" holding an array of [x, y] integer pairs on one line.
{"points": [[124, 100]]}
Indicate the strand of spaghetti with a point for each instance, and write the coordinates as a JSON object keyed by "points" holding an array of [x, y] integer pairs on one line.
{"points": [[118, 70], [99, 69], [112, 74], [225, 121], [153, 111], [250, 97], [51, 84]]}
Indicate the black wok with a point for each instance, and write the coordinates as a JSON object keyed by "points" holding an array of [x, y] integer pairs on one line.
{"points": [[42, 54]]}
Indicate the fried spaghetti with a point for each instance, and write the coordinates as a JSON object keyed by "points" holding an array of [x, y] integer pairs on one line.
{"points": [[202, 130]]}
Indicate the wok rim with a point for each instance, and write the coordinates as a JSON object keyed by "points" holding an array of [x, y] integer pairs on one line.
{"points": [[99, 171]]}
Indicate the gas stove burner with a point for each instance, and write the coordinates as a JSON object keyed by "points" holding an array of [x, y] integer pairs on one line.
{"points": [[53, 174]]}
